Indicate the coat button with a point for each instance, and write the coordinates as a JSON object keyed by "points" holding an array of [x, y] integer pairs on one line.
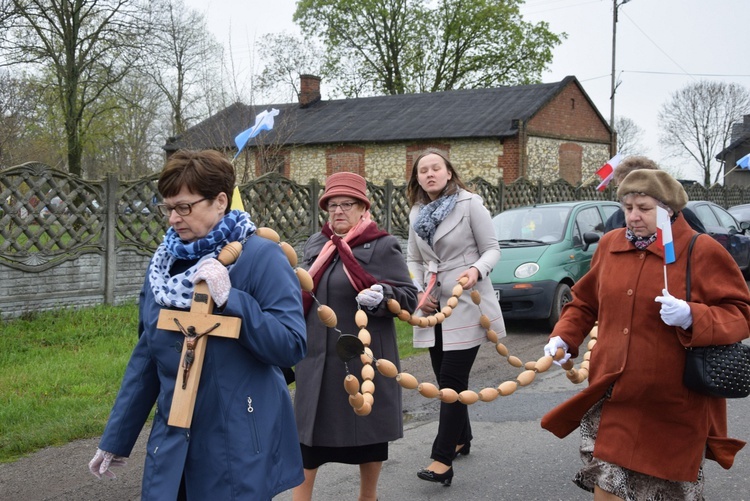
{"points": [[626, 331], [630, 292]]}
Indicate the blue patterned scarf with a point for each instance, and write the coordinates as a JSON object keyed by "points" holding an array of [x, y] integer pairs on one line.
{"points": [[177, 291], [432, 214]]}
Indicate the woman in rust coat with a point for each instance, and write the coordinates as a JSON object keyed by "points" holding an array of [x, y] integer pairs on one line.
{"points": [[644, 435]]}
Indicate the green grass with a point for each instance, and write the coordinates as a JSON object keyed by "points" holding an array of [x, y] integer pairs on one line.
{"points": [[60, 372]]}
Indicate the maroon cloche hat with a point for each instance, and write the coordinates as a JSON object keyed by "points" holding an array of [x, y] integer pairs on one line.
{"points": [[345, 184]]}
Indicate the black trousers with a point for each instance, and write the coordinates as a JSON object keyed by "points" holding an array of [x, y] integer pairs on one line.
{"points": [[452, 369]]}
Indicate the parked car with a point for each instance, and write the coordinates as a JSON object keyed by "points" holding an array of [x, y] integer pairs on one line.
{"points": [[740, 212], [728, 231], [546, 248]]}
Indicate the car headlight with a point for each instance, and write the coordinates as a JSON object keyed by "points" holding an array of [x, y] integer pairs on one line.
{"points": [[526, 270]]}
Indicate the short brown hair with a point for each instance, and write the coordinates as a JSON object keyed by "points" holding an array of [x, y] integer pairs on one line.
{"points": [[415, 193], [631, 163], [205, 172]]}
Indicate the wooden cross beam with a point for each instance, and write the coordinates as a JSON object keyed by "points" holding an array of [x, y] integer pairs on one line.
{"points": [[200, 322], [196, 324]]}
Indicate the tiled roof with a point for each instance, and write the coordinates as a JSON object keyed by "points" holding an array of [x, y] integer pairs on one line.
{"points": [[475, 113]]}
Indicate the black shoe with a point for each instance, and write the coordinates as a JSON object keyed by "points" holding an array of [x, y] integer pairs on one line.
{"points": [[429, 475], [464, 450]]}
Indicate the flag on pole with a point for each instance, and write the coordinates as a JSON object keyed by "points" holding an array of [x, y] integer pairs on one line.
{"points": [[237, 200], [264, 121], [664, 234], [607, 171], [744, 162]]}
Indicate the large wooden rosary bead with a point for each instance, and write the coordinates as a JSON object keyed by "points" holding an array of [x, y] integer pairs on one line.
{"points": [[515, 361], [368, 373], [543, 364], [448, 395], [446, 310], [229, 253], [365, 337], [367, 387], [386, 367], [366, 357], [327, 315], [452, 301], [305, 280], [428, 390], [476, 297], [360, 319], [404, 316], [526, 377], [507, 388], [502, 349], [488, 394], [407, 381], [468, 397], [351, 384], [492, 336], [484, 321], [365, 410], [268, 233], [356, 400], [290, 253], [393, 306]]}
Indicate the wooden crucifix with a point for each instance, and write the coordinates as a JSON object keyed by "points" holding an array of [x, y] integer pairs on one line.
{"points": [[196, 325]]}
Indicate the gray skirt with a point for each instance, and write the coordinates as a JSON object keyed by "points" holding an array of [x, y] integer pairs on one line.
{"points": [[622, 482]]}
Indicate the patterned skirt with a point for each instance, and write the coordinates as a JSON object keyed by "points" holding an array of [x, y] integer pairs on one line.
{"points": [[622, 482]]}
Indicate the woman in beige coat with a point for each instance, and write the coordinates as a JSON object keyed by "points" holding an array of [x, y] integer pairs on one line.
{"points": [[450, 238]]}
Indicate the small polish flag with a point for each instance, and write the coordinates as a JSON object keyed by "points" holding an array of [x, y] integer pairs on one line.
{"points": [[664, 234], [607, 171]]}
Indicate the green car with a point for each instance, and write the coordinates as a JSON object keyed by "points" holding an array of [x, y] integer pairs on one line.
{"points": [[546, 248]]}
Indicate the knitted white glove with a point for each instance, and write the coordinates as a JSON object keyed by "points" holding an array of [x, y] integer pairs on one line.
{"points": [[102, 461], [216, 276], [674, 311], [371, 297], [551, 349]]}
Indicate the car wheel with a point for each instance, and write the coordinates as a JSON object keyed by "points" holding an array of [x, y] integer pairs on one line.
{"points": [[563, 296]]}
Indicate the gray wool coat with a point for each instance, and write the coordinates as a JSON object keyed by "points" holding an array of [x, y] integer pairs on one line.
{"points": [[463, 239], [324, 415]]}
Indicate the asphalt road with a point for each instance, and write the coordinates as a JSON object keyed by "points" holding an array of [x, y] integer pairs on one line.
{"points": [[512, 458]]}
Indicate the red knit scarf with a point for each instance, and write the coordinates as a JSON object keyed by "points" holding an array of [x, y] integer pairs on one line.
{"points": [[365, 231]]}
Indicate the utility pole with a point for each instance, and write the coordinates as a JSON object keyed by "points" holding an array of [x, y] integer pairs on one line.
{"points": [[615, 5]]}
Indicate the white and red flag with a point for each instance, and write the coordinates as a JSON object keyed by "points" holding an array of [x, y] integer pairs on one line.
{"points": [[607, 171]]}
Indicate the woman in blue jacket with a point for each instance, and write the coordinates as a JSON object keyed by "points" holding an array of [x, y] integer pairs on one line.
{"points": [[242, 442]]}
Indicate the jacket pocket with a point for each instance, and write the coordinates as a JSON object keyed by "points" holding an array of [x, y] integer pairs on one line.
{"points": [[253, 425]]}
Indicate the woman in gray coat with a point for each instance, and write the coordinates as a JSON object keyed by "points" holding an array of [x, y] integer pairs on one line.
{"points": [[352, 263], [450, 238]]}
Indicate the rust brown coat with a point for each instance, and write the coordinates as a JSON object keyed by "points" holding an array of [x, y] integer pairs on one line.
{"points": [[652, 423]]}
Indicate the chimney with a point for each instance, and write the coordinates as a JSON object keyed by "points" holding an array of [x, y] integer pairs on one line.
{"points": [[309, 90]]}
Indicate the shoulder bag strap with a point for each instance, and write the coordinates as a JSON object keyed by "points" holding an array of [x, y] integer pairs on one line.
{"points": [[687, 277]]}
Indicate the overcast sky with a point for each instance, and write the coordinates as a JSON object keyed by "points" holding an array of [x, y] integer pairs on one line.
{"points": [[662, 46]]}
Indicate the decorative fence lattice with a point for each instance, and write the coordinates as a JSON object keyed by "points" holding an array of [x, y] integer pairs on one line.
{"points": [[47, 216]]}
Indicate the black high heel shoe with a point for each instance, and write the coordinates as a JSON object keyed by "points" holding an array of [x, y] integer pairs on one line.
{"points": [[464, 450], [429, 475]]}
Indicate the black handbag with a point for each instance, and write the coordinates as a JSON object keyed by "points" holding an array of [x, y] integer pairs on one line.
{"points": [[721, 370]]}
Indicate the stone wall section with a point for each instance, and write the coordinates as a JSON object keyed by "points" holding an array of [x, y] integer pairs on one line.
{"points": [[472, 158]]}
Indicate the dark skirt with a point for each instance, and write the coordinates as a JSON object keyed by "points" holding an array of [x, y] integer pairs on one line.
{"points": [[313, 457]]}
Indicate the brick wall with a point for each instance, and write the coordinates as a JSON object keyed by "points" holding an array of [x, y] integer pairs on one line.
{"points": [[75, 284]]}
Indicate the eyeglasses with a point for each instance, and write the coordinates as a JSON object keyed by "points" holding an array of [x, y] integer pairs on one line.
{"points": [[181, 209], [346, 206]]}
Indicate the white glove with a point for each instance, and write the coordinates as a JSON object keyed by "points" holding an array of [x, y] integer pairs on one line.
{"points": [[371, 297], [552, 346], [101, 462], [216, 276], [674, 311]]}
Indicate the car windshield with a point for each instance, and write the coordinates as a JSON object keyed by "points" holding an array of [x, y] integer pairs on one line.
{"points": [[540, 224]]}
